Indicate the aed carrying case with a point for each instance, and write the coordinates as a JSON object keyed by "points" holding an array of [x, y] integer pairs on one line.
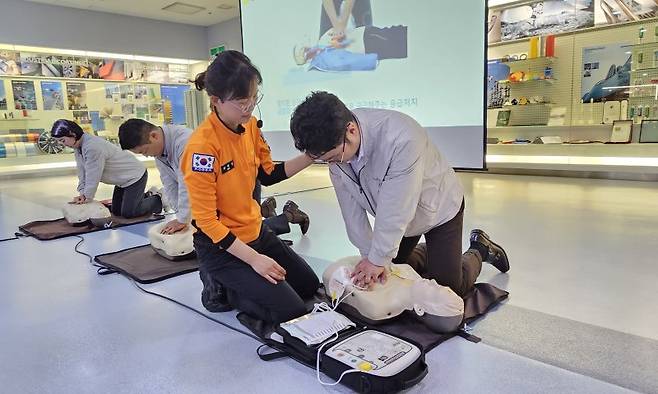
{"points": [[386, 363]]}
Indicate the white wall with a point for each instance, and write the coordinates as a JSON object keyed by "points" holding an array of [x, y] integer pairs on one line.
{"points": [[228, 33], [27, 23]]}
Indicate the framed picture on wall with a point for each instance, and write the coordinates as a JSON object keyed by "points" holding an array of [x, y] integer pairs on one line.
{"points": [[53, 98], [3, 96], [24, 94], [621, 132], [76, 94], [503, 118], [649, 131], [540, 18]]}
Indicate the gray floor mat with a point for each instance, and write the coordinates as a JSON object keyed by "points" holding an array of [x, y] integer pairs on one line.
{"points": [[615, 357]]}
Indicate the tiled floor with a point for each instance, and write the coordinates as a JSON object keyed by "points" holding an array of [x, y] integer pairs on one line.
{"points": [[583, 260]]}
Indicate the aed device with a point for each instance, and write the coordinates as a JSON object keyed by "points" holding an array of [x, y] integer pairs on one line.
{"points": [[375, 352]]}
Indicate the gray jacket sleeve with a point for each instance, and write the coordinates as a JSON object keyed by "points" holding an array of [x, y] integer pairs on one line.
{"points": [[94, 162], [169, 183], [357, 225], [81, 171], [183, 215], [398, 200]]}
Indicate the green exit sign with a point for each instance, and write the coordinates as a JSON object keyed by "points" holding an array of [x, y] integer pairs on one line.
{"points": [[216, 51]]}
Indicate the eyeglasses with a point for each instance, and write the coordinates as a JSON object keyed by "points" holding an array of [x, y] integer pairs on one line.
{"points": [[248, 104], [330, 160]]}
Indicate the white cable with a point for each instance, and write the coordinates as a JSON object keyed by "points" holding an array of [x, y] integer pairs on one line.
{"points": [[335, 302], [324, 307], [317, 364]]}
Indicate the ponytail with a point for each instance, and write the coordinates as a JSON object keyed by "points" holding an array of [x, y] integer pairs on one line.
{"points": [[200, 81]]}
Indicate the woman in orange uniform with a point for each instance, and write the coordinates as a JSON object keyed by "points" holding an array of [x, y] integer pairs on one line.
{"points": [[243, 264]]}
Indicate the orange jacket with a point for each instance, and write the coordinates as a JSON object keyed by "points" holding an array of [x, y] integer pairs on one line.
{"points": [[220, 169]]}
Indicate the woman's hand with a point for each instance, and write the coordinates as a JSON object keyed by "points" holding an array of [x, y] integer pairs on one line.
{"points": [[268, 269]]}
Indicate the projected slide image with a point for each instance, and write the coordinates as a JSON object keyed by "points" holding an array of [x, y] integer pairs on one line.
{"points": [[424, 58], [348, 39], [370, 53]]}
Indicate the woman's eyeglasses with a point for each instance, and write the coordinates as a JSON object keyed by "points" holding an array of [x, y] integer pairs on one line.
{"points": [[248, 104]]}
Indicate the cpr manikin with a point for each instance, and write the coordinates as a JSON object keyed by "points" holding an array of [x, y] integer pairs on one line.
{"points": [[438, 307], [80, 213], [177, 246]]}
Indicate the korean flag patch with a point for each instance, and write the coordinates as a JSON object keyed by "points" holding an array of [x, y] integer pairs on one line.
{"points": [[202, 163]]}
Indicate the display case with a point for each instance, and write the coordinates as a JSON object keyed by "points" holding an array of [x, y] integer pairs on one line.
{"points": [[97, 90], [570, 75]]}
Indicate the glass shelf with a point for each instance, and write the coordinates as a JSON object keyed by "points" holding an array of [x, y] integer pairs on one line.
{"points": [[521, 105], [17, 119], [639, 70], [38, 77], [645, 45], [533, 60], [547, 80], [556, 127]]}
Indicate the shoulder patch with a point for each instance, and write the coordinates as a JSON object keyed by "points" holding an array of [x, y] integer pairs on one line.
{"points": [[203, 163]]}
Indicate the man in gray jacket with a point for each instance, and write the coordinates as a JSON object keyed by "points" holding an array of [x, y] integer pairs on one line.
{"points": [[166, 144], [101, 161], [382, 162]]}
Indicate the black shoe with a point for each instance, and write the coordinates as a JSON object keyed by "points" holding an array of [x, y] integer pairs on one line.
{"points": [[213, 295], [495, 255], [268, 207], [296, 216]]}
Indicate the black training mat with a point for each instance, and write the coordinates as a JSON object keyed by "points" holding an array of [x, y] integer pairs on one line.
{"points": [[144, 265], [477, 303], [46, 230]]}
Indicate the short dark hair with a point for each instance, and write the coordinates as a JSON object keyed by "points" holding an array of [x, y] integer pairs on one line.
{"points": [[134, 132], [66, 128], [319, 123], [229, 76]]}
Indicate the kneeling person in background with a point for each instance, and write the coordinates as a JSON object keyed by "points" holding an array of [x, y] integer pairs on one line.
{"points": [[98, 160], [166, 144]]}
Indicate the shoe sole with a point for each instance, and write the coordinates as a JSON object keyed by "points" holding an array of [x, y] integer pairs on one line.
{"points": [[504, 253], [478, 231]]}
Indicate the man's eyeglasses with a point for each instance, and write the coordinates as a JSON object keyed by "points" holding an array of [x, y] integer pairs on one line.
{"points": [[248, 104], [331, 159]]}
